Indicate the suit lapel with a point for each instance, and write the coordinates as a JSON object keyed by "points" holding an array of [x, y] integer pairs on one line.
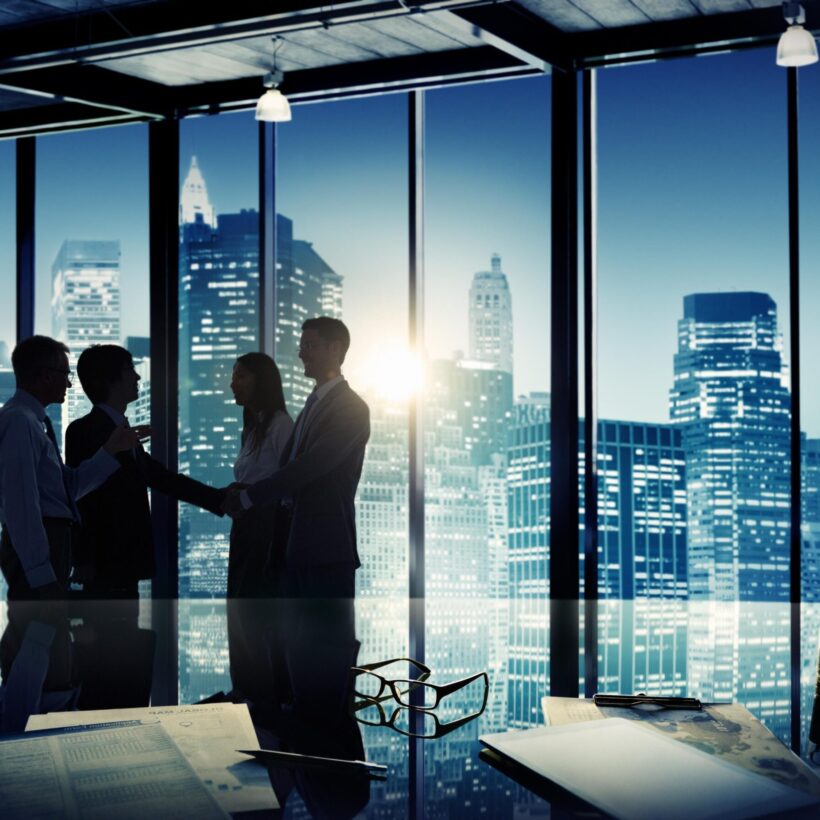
{"points": [[323, 408]]}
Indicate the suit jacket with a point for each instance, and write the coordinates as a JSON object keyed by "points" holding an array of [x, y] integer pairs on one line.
{"points": [[116, 535], [321, 479]]}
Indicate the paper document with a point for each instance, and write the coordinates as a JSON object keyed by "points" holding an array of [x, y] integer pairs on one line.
{"points": [[635, 773], [208, 735], [125, 771]]}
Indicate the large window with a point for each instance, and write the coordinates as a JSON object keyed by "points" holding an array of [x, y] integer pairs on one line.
{"points": [[218, 321], [694, 397], [809, 110], [342, 252], [486, 405], [91, 252]]}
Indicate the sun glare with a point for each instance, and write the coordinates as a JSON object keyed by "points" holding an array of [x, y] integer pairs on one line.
{"points": [[393, 374]]}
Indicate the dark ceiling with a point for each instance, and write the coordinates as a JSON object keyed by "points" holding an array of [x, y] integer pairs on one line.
{"points": [[80, 63]]}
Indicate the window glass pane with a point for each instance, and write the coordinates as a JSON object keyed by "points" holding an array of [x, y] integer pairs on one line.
{"points": [[218, 321], [486, 401], [342, 226], [8, 283], [92, 250], [693, 314], [91, 257], [342, 244], [810, 399]]}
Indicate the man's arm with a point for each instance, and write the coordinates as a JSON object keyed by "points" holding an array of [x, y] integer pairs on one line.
{"points": [[176, 485], [19, 455], [347, 432]]}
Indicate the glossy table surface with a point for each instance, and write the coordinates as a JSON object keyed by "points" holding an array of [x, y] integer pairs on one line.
{"points": [[290, 662]]}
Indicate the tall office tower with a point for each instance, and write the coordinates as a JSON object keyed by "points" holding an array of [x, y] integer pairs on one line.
{"points": [[306, 286], [139, 412], [317, 270], [491, 327], [381, 503], [455, 510], [204, 665], [732, 404], [492, 482], [810, 497], [85, 306], [641, 550], [218, 321], [5, 356]]}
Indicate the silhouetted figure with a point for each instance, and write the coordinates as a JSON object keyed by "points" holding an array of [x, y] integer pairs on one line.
{"points": [[314, 540], [38, 493], [114, 547], [257, 388]]}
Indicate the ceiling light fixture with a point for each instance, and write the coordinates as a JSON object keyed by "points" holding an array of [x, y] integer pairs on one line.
{"points": [[796, 46], [273, 105]]}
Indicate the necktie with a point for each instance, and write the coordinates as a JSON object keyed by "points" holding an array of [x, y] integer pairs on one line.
{"points": [[302, 423], [53, 439]]}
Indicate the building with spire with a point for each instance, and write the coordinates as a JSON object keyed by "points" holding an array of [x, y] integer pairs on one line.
{"points": [[194, 205], [491, 328], [218, 321]]}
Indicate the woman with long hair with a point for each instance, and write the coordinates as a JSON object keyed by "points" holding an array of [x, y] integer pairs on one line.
{"points": [[257, 389]]}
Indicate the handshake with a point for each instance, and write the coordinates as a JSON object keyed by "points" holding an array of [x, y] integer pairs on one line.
{"points": [[231, 505]]}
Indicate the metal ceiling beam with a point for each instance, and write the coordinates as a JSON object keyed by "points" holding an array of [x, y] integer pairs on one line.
{"points": [[91, 85], [171, 24], [691, 35], [517, 32], [23, 122], [350, 79]]}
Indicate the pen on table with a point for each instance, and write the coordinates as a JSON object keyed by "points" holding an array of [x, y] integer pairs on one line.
{"points": [[293, 759]]}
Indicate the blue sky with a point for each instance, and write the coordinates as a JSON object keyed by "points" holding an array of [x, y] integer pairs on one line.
{"points": [[692, 174]]}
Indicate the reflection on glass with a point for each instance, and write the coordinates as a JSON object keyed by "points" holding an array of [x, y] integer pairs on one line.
{"points": [[694, 466]]}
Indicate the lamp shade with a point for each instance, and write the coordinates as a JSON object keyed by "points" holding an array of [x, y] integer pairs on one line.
{"points": [[273, 106], [796, 47]]}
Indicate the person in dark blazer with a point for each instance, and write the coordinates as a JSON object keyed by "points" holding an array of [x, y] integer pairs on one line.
{"points": [[115, 547], [314, 543]]}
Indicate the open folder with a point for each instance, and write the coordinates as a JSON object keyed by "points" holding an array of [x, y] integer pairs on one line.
{"points": [[630, 771]]}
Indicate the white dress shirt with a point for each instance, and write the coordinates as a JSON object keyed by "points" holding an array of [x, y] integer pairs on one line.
{"points": [[254, 465], [34, 482], [301, 423]]}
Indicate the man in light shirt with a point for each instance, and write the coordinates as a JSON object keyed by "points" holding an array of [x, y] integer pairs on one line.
{"points": [[38, 493], [314, 543]]}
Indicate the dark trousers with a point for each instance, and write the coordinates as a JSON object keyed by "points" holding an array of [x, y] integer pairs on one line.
{"points": [[249, 561], [58, 532]]}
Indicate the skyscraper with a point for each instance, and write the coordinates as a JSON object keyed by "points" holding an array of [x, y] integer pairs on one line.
{"points": [[85, 306], [731, 402], [306, 286], [491, 329], [218, 320]]}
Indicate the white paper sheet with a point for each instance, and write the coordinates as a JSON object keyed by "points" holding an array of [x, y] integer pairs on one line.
{"points": [[208, 735], [125, 771], [635, 773]]}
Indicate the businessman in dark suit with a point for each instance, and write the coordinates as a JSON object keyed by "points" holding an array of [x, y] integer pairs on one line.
{"points": [[115, 547], [314, 544]]}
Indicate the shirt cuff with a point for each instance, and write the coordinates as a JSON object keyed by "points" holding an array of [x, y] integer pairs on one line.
{"points": [[245, 500], [105, 462], [41, 575]]}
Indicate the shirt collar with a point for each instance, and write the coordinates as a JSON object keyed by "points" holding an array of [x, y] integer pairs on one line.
{"points": [[322, 391], [27, 400], [115, 416]]}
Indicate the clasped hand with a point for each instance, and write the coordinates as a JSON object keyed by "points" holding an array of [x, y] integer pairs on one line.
{"points": [[231, 504]]}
